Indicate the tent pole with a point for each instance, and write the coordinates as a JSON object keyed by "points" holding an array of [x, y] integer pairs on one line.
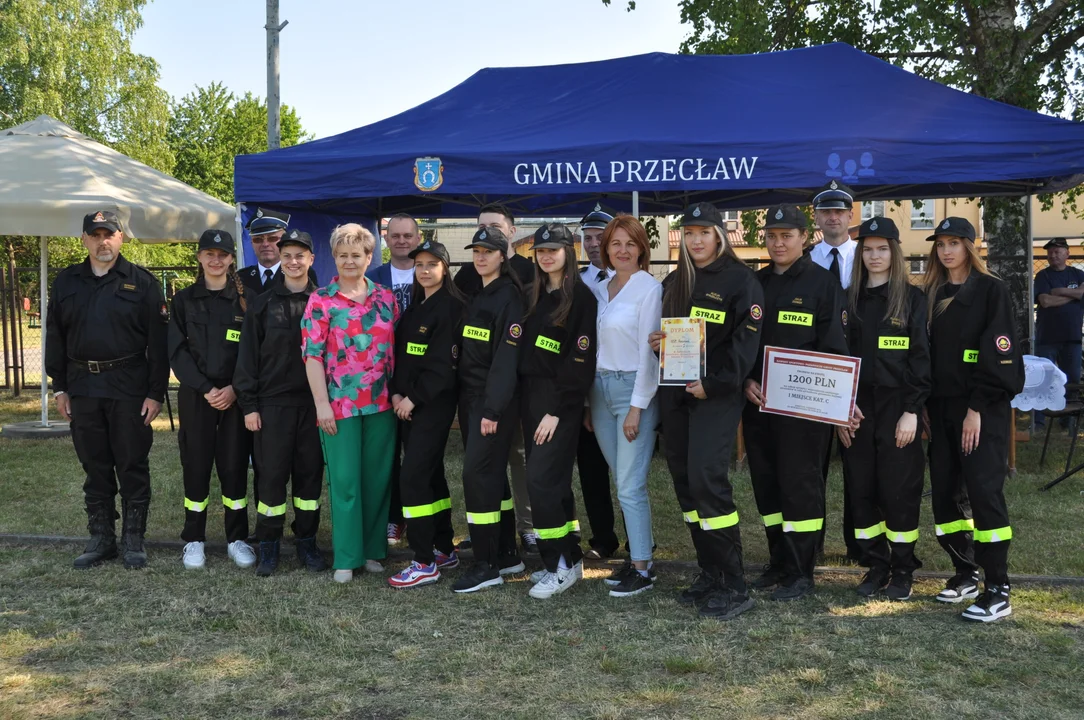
{"points": [[636, 204], [43, 308], [241, 261], [1031, 276]]}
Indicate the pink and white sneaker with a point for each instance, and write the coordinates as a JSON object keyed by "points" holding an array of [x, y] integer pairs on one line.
{"points": [[446, 562], [415, 575]]}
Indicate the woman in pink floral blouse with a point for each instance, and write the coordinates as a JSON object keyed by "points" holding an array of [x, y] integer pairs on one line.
{"points": [[347, 340]]}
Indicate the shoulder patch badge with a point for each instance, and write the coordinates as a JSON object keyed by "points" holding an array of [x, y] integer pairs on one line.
{"points": [[843, 316], [583, 342], [515, 330], [756, 312], [455, 352], [163, 311], [1004, 345]]}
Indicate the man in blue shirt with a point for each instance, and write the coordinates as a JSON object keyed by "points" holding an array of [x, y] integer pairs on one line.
{"points": [[1060, 313]]}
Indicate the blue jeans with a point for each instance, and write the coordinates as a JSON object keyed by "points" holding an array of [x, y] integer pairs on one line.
{"points": [[1066, 356], [610, 396]]}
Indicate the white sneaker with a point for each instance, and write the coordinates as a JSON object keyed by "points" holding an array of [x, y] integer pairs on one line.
{"points": [[578, 569], [343, 576], [554, 584], [538, 575], [194, 557], [373, 566], [241, 553]]}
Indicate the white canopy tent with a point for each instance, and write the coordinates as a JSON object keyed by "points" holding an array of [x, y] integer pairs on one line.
{"points": [[51, 176]]}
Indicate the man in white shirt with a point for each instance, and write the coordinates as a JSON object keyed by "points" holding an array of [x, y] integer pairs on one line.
{"points": [[833, 212]]}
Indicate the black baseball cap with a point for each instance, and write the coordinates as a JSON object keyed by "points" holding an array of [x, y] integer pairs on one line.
{"points": [[702, 214], [433, 248], [490, 239], [217, 240], [297, 237], [955, 226], [597, 218], [267, 221], [100, 219], [834, 196], [785, 216], [879, 227], [1058, 243], [553, 236]]}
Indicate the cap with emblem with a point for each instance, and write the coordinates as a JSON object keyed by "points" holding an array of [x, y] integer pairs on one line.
{"points": [[490, 239], [881, 227], [433, 248], [954, 226], [267, 221], [216, 240], [1056, 243], [297, 237], [785, 216], [101, 219], [834, 196], [597, 218], [553, 237], [702, 214]]}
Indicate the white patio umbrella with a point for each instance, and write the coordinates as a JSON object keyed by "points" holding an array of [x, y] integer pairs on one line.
{"points": [[51, 176]]}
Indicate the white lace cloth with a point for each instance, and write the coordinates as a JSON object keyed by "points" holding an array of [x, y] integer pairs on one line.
{"points": [[1044, 386]]}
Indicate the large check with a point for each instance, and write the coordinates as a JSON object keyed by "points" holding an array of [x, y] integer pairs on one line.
{"points": [[810, 385]]}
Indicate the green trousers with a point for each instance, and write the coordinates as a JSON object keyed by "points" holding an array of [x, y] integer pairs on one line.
{"points": [[358, 458]]}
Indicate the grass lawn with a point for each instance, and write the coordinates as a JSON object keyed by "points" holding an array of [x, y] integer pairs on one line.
{"points": [[166, 643]]}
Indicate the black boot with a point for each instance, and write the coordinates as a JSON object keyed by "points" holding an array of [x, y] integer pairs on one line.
{"points": [[269, 557], [103, 537], [308, 554], [135, 527]]}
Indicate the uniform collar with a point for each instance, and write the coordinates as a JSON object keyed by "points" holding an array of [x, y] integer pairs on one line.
{"points": [[121, 267], [966, 293], [720, 263], [199, 289], [799, 267], [279, 288], [499, 282]]}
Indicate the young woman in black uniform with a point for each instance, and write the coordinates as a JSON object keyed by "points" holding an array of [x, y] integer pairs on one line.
{"points": [[489, 411], [204, 336], [883, 460], [425, 395], [700, 420], [556, 369], [977, 370]]}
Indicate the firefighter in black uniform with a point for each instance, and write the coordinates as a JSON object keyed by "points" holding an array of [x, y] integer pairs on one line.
{"points": [[277, 404], [425, 396], [106, 353], [700, 419], [803, 310], [556, 369], [977, 370], [266, 230], [204, 336], [489, 411], [884, 463]]}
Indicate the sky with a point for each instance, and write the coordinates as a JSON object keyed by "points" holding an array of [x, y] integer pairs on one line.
{"points": [[347, 64]]}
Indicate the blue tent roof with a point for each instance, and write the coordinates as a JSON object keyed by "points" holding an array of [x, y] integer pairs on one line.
{"points": [[741, 131]]}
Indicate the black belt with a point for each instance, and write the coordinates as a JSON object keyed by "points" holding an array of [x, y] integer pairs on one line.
{"points": [[98, 366]]}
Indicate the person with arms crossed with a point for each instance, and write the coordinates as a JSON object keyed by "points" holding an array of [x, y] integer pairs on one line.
{"points": [[1059, 314]]}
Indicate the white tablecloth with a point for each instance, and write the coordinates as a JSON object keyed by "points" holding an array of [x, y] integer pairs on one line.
{"points": [[1044, 386]]}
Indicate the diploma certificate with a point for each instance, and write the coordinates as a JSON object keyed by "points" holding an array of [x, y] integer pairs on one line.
{"points": [[683, 352], [810, 385]]}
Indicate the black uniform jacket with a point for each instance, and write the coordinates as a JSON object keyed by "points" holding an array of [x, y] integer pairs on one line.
{"points": [[270, 369], [427, 341], [490, 346], [803, 310], [205, 335], [252, 278], [895, 351], [729, 298], [566, 353], [469, 281], [973, 343], [119, 315]]}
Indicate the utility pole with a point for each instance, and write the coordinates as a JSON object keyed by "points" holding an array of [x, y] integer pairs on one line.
{"points": [[273, 29]]}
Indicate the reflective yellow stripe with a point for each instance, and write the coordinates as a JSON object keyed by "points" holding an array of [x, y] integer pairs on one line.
{"points": [[475, 333], [954, 527], [486, 518], [691, 517], [902, 536], [971, 356], [416, 349], [419, 511], [233, 335], [893, 343], [814, 525], [235, 504], [558, 532], [574, 526], [789, 317], [547, 344], [306, 504], [507, 505], [268, 511], [869, 533], [712, 316], [772, 520], [196, 506], [992, 536], [719, 522]]}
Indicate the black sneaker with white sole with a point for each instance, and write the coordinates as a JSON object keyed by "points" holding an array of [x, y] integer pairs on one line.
{"points": [[992, 605], [632, 584], [625, 571], [899, 588], [961, 586], [479, 577], [874, 582], [725, 604]]}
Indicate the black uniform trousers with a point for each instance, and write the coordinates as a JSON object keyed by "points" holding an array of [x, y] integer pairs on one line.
{"points": [[884, 483], [112, 444], [699, 438], [786, 457], [595, 484], [212, 438], [972, 519], [287, 450], [491, 518], [549, 474], [427, 504]]}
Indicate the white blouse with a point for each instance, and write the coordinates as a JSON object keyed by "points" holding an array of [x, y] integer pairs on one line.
{"points": [[624, 325]]}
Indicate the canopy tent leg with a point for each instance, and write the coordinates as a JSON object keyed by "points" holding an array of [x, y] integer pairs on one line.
{"points": [[636, 204], [237, 230], [43, 308]]}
